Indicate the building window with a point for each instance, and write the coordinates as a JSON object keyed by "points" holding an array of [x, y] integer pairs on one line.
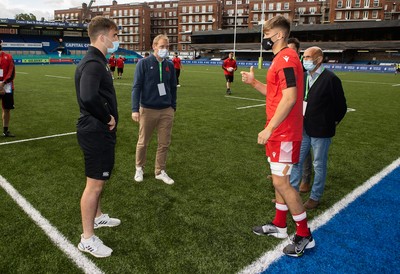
{"points": [[339, 15], [356, 14], [271, 6], [366, 3], [357, 3], [375, 14], [278, 6], [255, 6], [347, 15], [184, 9], [376, 3], [228, 2], [365, 15], [203, 9], [197, 9], [255, 17], [210, 8], [299, 1], [286, 6], [340, 4], [313, 10], [301, 10]]}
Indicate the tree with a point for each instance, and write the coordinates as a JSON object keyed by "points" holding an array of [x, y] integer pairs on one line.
{"points": [[25, 16]]}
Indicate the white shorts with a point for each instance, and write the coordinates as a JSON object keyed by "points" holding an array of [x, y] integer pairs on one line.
{"points": [[280, 169]]}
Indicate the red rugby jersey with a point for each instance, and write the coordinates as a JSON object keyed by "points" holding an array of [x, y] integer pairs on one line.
{"points": [[285, 71]]}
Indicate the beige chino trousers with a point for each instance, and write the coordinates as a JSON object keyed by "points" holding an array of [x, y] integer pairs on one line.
{"points": [[151, 119]]}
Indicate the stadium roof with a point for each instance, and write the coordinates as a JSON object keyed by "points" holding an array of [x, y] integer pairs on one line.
{"points": [[313, 27], [13, 23], [333, 46], [329, 46]]}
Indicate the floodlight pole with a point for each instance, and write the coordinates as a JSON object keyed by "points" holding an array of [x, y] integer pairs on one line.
{"points": [[234, 32], [260, 59]]}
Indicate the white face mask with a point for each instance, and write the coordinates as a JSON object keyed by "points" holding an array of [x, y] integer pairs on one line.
{"points": [[162, 53]]}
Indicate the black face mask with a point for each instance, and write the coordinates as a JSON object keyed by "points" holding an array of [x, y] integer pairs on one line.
{"points": [[267, 43]]}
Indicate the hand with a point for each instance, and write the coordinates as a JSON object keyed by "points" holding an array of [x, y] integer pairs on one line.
{"points": [[111, 124], [2, 84], [248, 77], [135, 116], [263, 136]]}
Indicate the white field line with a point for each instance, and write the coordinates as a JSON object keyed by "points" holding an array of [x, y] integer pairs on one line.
{"points": [[262, 263], [60, 77], [396, 85], [244, 98], [55, 236], [363, 82], [249, 99], [38, 138], [253, 106], [20, 72]]}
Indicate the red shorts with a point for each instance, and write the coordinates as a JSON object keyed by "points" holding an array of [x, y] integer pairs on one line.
{"points": [[283, 152]]}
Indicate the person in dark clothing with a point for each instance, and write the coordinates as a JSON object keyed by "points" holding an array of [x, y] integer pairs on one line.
{"points": [[96, 129], [305, 184], [154, 106], [324, 107]]}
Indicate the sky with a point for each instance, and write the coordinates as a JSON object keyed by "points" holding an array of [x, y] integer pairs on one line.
{"points": [[45, 8]]}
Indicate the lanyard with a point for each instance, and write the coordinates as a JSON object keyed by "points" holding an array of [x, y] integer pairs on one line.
{"points": [[160, 66], [308, 82]]}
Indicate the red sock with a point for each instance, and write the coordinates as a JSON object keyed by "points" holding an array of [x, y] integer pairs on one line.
{"points": [[280, 215], [301, 224]]}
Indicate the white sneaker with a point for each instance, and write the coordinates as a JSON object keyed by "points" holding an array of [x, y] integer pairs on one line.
{"points": [[139, 174], [105, 221], [94, 246], [165, 178], [178, 86]]}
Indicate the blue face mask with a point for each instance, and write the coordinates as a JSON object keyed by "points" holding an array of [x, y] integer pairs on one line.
{"points": [[309, 65], [115, 46]]}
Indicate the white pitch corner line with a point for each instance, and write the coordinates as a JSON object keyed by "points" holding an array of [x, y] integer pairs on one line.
{"points": [[38, 138], [60, 77], [262, 263], [55, 236]]}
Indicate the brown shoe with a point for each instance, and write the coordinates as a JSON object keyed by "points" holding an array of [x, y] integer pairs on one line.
{"points": [[304, 187], [311, 204]]}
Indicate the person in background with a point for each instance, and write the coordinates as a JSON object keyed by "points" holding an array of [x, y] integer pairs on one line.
{"points": [[324, 106], [305, 186], [7, 75], [112, 62], [178, 66], [229, 66], [154, 106], [282, 133], [96, 129], [120, 66]]}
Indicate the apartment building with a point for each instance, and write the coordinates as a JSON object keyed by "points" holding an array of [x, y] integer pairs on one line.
{"points": [[139, 23]]}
